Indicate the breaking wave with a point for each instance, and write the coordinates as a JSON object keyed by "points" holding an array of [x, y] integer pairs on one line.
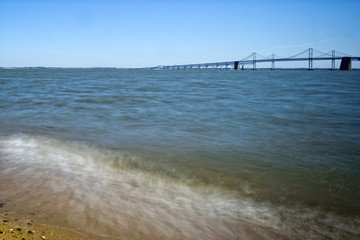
{"points": [[115, 194]]}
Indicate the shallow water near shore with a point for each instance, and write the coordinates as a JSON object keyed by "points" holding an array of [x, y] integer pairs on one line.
{"points": [[188, 154]]}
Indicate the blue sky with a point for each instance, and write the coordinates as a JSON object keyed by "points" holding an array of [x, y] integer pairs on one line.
{"points": [[109, 33]]}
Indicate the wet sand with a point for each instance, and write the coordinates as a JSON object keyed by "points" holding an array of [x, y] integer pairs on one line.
{"points": [[17, 226]]}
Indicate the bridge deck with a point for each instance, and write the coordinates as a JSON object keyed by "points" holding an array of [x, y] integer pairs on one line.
{"points": [[333, 55]]}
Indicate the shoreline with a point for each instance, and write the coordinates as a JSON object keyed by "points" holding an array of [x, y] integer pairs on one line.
{"points": [[15, 225]]}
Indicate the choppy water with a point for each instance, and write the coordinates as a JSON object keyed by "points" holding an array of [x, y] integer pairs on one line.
{"points": [[217, 154]]}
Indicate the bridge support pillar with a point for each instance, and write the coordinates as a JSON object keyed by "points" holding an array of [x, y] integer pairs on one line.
{"points": [[310, 59], [273, 62], [345, 63], [236, 65], [254, 61], [333, 60]]}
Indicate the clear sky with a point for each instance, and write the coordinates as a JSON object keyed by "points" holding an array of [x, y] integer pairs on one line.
{"points": [[109, 33]]}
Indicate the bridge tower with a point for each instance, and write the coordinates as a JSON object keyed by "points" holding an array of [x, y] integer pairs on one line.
{"points": [[254, 61], [310, 59], [333, 60], [273, 62]]}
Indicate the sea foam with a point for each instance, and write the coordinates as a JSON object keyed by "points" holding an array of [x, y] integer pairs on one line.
{"points": [[79, 182]]}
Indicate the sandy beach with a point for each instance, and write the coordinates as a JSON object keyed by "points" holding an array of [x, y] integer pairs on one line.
{"points": [[15, 226]]}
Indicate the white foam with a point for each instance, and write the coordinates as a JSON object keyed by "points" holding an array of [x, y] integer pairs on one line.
{"points": [[78, 181], [124, 193]]}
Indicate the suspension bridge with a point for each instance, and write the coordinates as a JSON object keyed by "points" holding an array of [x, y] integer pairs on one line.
{"points": [[309, 55]]}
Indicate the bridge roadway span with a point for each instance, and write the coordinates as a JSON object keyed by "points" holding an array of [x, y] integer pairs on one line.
{"points": [[309, 55]]}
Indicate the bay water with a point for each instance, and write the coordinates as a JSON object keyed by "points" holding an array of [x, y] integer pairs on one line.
{"points": [[184, 154]]}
